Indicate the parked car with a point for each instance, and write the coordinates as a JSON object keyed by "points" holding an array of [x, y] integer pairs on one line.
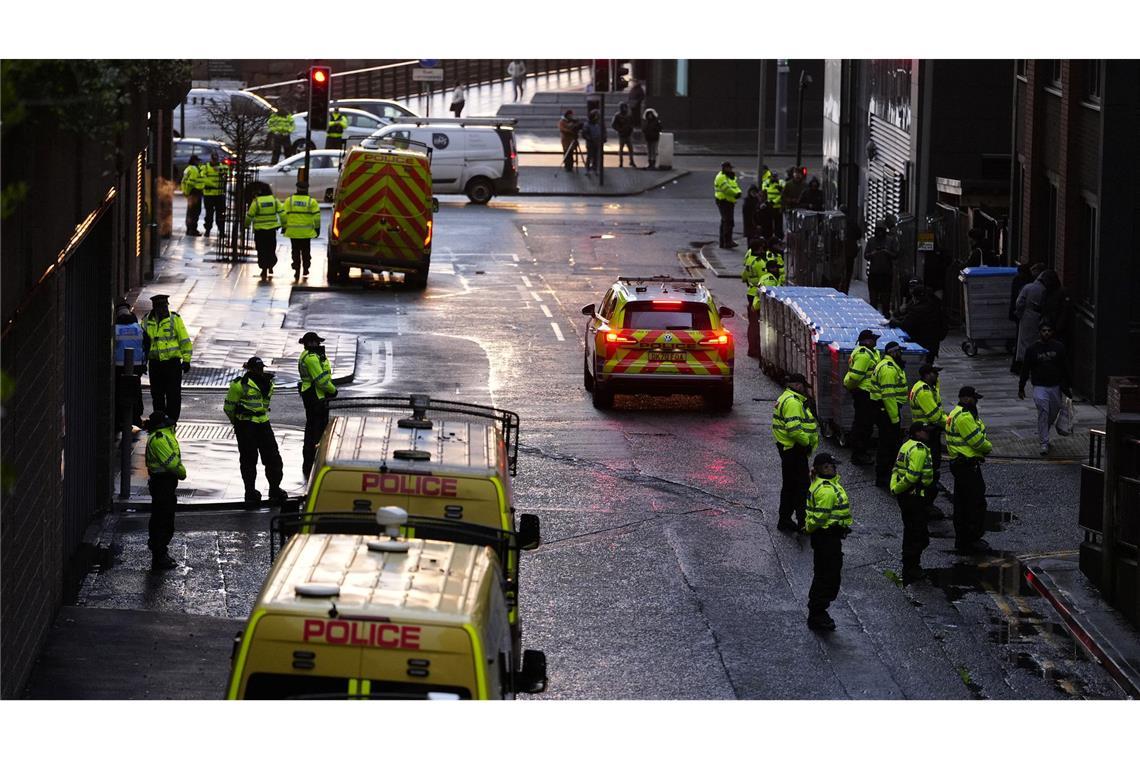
{"points": [[384, 109], [360, 125], [192, 116], [184, 147], [324, 169]]}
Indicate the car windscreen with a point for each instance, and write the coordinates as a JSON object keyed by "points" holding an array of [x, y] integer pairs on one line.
{"points": [[658, 315]]}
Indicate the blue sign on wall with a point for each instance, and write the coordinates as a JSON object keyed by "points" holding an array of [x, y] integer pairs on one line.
{"points": [[429, 63]]}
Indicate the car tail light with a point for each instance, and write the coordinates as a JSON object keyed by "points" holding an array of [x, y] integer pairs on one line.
{"points": [[336, 226], [721, 341], [613, 337], [666, 305], [427, 240]]}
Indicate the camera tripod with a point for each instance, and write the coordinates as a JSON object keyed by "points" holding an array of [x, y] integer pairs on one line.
{"points": [[574, 155]]}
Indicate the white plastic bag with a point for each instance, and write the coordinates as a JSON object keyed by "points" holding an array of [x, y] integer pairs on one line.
{"points": [[1067, 417]]}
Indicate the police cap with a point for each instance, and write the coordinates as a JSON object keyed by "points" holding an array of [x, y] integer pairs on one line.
{"points": [[822, 459], [254, 362], [311, 336], [968, 390], [868, 334]]}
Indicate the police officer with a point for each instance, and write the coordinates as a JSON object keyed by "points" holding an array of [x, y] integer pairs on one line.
{"points": [[165, 468], [968, 446], [247, 406], [281, 127], [828, 521], [797, 434], [750, 273], [888, 390], [213, 177], [316, 386], [301, 219], [775, 253], [925, 399], [334, 135], [192, 184], [911, 476], [771, 276], [129, 334], [265, 215], [857, 381], [726, 190], [773, 209], [169, 350]]}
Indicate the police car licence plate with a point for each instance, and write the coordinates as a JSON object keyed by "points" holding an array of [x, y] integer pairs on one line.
{"points": [[666, 356]]}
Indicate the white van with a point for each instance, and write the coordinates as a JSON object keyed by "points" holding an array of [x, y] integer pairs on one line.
{"points": [[473, 156], [192, 116]]}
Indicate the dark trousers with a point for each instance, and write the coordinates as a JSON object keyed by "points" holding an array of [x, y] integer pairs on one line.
{"points": [[625, 144], [316, 420], [827, 555], [163, 500], [725, 208], [281, 145], [969, 500], [266, 243], [879, 292], [916, 536], [888, 449], [333, 143], [193, 211], [254, 439], [301, 253], [753, 331], [795, 482], [166, 387], [457, 108], [568, 157], [128, 393], [863, 423], [215, 208], [934, 443]]}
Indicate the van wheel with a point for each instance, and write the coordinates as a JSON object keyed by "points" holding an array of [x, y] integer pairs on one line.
{"points": [[299, 145], [480, 190], [337, 272], [416, 280]]}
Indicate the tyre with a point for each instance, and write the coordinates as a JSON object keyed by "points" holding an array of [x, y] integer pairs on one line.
{"points": [[720, 399], [969, 348], [417, 280], [603, 396], [338, 272], [480, 190], [587, 378], [299, 145]]}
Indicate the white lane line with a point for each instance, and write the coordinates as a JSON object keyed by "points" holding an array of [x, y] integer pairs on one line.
{"points": [[389, 370], [557, 331], [515, 256], [546, 311], [537, 297], [526, 280]]}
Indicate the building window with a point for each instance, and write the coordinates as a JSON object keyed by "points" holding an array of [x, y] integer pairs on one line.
{"points": [[1092, 81], [1051, 225], [1020, 68], [1055, 73], [682, 77], [1089, 250]]}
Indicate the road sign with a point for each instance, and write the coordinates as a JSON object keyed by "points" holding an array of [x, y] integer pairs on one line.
{"points": [[427, 75], [429, 63]]}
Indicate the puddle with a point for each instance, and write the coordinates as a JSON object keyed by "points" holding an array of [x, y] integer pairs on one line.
{"points": [[1001, 574]]}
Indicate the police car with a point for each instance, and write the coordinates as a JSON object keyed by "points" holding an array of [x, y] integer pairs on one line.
{"points": [[658, 335]]}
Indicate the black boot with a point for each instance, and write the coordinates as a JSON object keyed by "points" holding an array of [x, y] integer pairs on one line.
{"points": [[253, 499], [162, 561], [820, 621]]}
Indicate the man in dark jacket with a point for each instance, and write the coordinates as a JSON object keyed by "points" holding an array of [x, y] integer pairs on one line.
{"points": [[924, 321], [752, 201], [622, 123], [880, 269], [1046, 366], [812, 197]]}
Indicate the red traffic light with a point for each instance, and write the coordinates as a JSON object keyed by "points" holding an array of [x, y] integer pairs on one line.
{"points": [[320, 76]]}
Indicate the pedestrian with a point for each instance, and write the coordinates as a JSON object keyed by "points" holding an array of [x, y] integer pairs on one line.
{"points": [[516, 70], [301, 218], [247, 407], [924, 321], [1057, 308], [827, 521], [812, 196], [726, 191], [750, 210], [568, 129], [192, 184], [925, 400], [213, 178], [266, 215], [651, 131], [792, 190], [458, 99], [315, 386], [968, 446], [774, 252], [1024, 276], [281, 126], [770, 278], [129, 334], [164, 468], [911, 477], [334, 133], [797, 434], [750, 273], [595, 136], [858, 382], [168, 351], [1027, 309], [622, 123], [1046, 365], [635, 99], [773, 190], [888, 389], [880, 269]]}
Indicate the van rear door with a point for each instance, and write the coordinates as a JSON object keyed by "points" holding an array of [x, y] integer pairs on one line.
{"points": [[384, 206]]}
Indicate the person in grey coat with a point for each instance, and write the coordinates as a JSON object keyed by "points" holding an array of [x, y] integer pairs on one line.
{"points": [[1028, 313]]}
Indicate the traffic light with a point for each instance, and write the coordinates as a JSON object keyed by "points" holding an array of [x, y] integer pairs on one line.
{"points": [[320, 80], [624, 75], [601, 75]]}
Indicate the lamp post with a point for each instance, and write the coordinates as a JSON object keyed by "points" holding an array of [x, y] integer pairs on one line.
{"points": [[805, 80]]}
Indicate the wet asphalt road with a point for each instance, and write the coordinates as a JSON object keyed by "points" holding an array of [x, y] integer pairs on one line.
{"points": [[661, 575]]}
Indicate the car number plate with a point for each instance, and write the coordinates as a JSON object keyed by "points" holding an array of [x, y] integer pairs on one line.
{"points": [[666, 356]]}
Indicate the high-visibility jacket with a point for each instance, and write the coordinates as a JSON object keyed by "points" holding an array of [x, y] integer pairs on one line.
{"points": [[726, 188], [129, 335], [301, 217], [338, 122], [192, 181], [888, 384], [773, 190], [281, 124], [793, 423], [777, 257], [966, 435], [264, 213], [913, 470], [245, 401], [859, 367], [163, 454], [826, 505], [767, 281], [213, 179], [926, 404], [315, 372], [168, 338], [747, 275]]}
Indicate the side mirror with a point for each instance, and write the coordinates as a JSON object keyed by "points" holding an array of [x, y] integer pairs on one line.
{"points": [[434, 205], [532, 678], [725, 312], [589, 311], [529, 536], [285, 169]]}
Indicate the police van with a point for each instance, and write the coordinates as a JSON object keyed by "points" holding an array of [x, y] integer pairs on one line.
{"points": [[345, 616]]}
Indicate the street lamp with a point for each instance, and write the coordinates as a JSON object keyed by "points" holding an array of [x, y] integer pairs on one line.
{"points": [[805, 80]]}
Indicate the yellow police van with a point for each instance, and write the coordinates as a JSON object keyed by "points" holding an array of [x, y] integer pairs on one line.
{"points": [[346, 616]]}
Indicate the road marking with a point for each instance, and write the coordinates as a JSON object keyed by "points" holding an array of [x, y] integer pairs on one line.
{"points": [[515, 256], [537, 297], [557, 331], [389, 369], [526, 280], [546, 311]]}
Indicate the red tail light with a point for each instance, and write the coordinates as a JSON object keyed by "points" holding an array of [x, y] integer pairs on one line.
{"points": [[722, 342], [666, 305], [612, 337]]}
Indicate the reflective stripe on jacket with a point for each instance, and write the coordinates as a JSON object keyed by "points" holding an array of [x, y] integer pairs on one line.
{"points": [[281, 124], [168, 338], [315, 372], [826, 505], [725, 188], [793, 423], [859, 366], [264, 213], [337, 125], [245, 401], [888, 384], [926, 404], [301, 217], [130, 336], [773, 190], [163, 454], [913, 469], [213, 179], [966, 435], [191, 179]]}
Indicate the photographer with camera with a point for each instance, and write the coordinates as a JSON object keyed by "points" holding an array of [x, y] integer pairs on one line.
{"points": [[247, 406], [568, 129]]}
